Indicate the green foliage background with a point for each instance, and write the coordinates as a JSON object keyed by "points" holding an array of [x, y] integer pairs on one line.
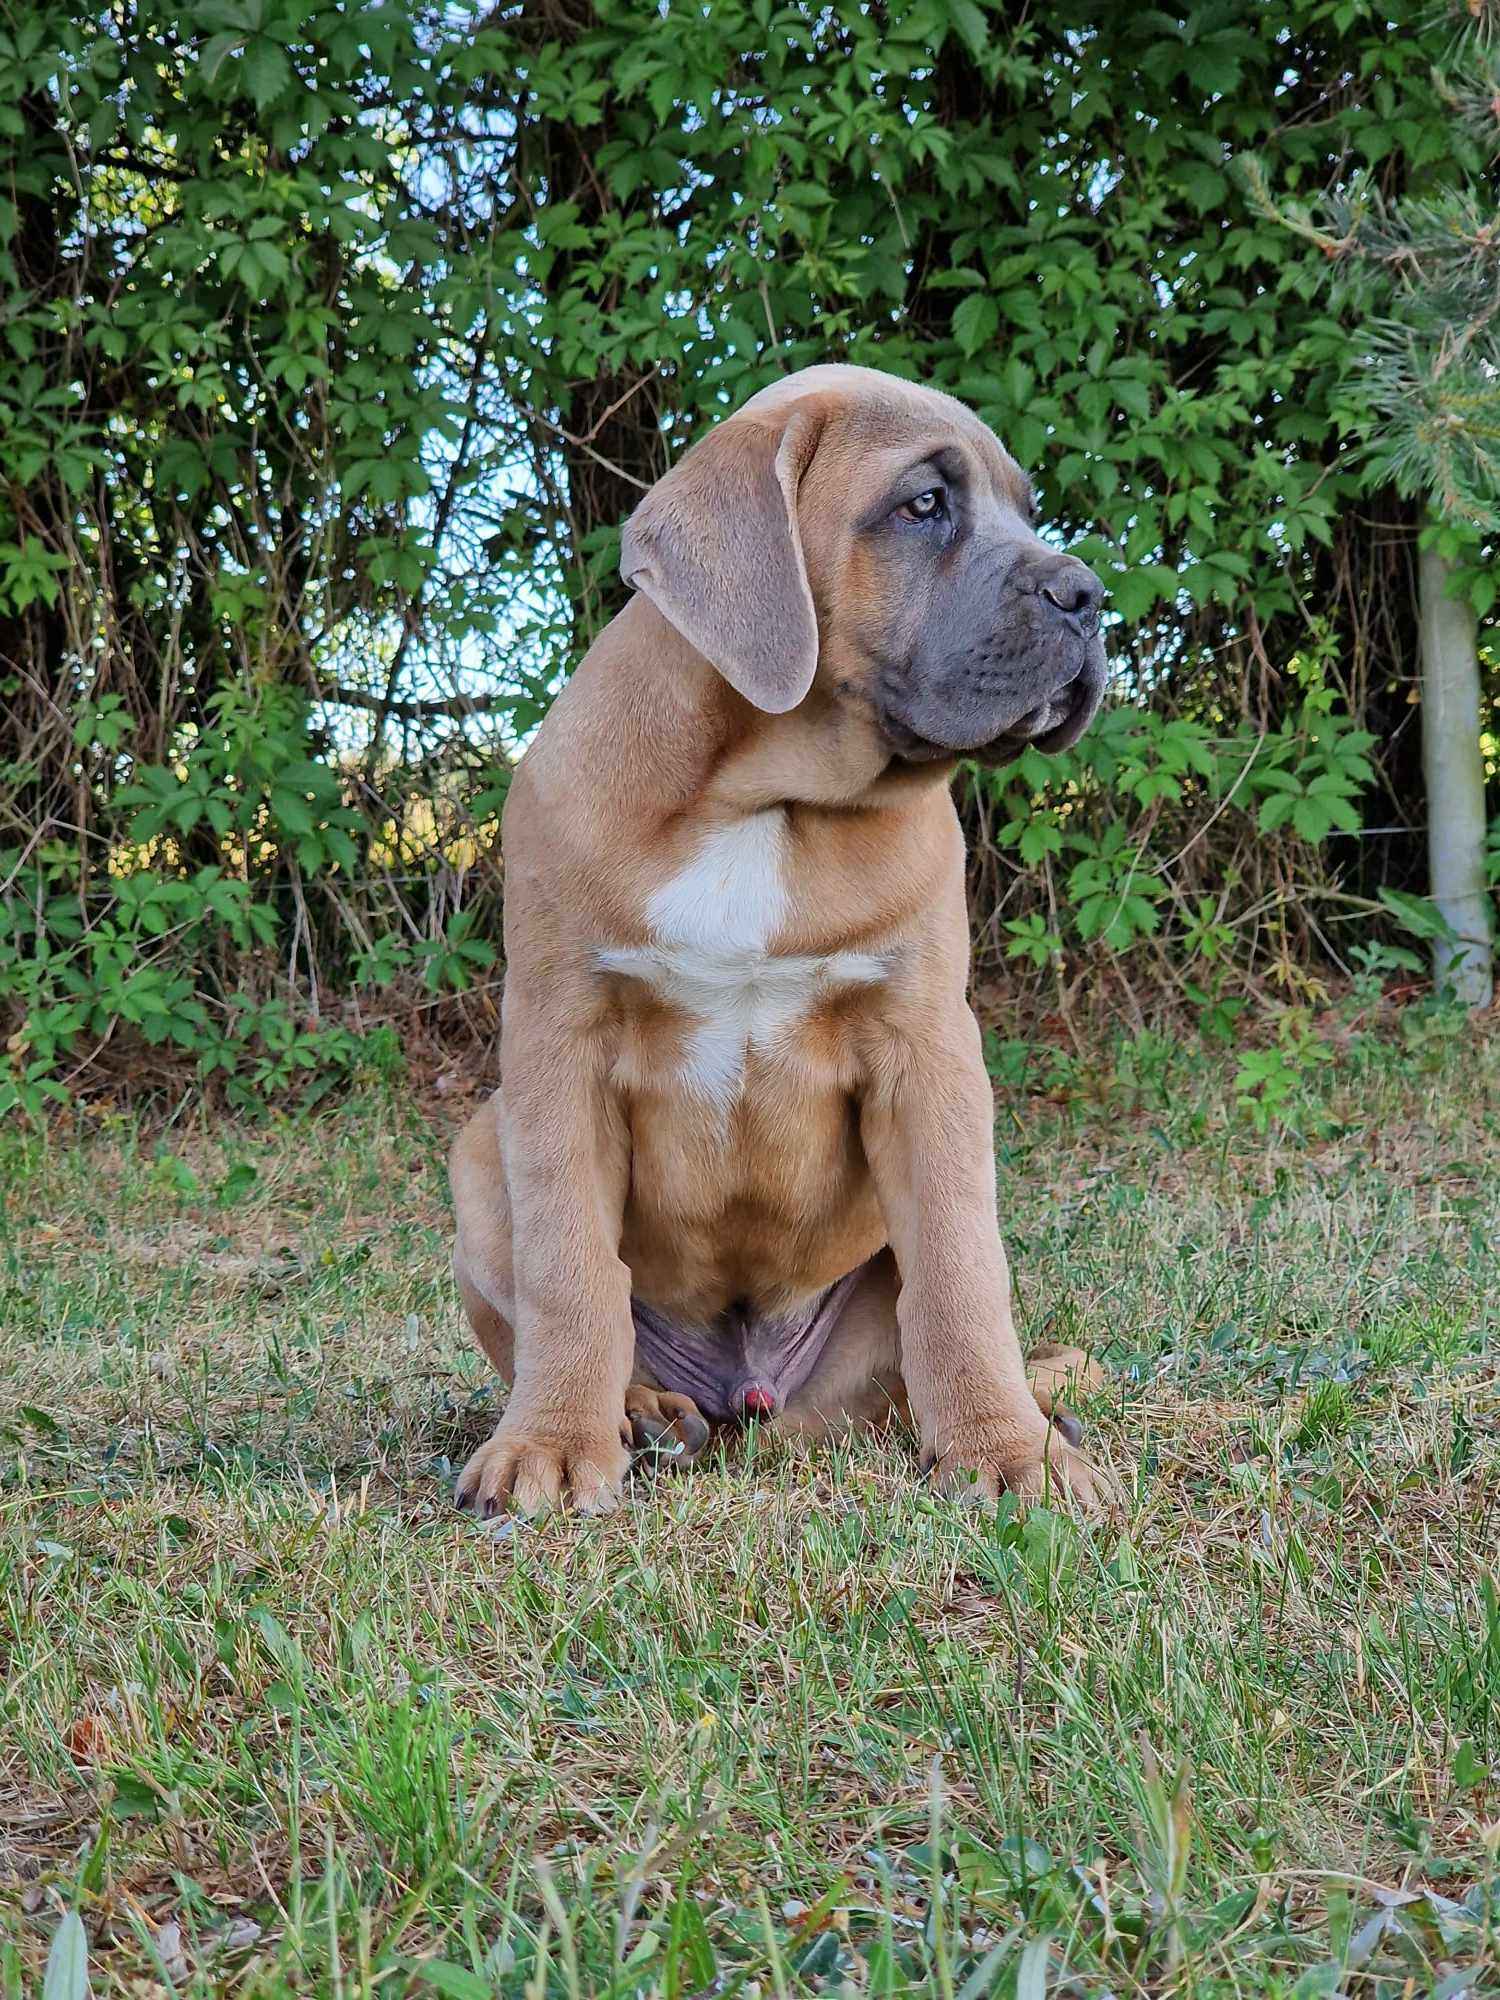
{"points": [[336, 341]]}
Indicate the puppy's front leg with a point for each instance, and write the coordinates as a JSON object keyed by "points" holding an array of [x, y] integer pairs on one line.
{"points": [[928, 1129], [566, 1166]]}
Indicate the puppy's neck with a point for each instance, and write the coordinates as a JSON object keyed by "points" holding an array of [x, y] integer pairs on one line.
{"points": [[705, 745]]}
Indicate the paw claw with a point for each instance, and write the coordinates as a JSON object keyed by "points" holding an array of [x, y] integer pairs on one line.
{"points": [[696, 1433], [1068, 1424], [536, 1474]]}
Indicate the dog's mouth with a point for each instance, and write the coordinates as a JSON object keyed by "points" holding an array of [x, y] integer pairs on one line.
{"points": [[1049, 724]]}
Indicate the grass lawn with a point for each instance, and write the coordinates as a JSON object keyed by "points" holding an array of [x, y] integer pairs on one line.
{"points": [[274, 1717]]}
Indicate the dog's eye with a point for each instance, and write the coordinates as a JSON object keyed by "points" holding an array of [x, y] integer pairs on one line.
{"points": [[929, 506]]}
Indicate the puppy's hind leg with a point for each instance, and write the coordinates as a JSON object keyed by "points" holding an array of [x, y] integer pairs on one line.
{"points": [[482, 1253], [482, 1268], [1054, 1371], [857, 1383], [666, 1430], [492, 1332]]}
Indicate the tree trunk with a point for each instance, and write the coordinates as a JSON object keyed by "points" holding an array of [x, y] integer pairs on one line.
{"points": [[1453, 765]]}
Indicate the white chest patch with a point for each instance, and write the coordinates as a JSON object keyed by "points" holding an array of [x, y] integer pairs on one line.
{"points": [[711, 927]]}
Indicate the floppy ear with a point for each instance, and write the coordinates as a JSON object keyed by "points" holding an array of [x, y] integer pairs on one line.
{"points": [[715, 547]]}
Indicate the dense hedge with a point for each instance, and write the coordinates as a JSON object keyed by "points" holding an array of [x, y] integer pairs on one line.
{"points": [[336, 340]]}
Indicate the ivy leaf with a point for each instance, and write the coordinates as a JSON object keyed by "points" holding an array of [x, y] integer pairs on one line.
{"points": [[976, 321], [1132, 593], [266, 70], [293, 814], [1039, 838], [216, 50], [972, 26]]}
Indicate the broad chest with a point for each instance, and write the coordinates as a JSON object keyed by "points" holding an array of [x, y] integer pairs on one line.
{"points": [[721, 971]]}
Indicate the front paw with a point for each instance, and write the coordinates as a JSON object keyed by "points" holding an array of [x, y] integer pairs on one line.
{"points": [[535, 1471], [978, 1461]]}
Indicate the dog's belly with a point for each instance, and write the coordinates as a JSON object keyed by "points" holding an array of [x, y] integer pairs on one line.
{"points": [[761, 1197]]}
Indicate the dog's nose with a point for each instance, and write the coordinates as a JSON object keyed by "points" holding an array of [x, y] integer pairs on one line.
{"points": [[1073, 587]]}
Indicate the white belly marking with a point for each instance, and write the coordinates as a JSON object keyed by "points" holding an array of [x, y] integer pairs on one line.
{"points": [[711, 927]]}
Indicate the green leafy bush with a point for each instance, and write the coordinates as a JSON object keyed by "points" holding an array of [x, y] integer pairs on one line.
{"points": [[337, 339], [1117, 829]]}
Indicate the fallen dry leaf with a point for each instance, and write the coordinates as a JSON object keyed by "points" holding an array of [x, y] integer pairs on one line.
{"points": [[86, 1741]]}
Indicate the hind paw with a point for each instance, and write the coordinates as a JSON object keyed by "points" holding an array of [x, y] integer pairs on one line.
{"points": [[665, 1429]]}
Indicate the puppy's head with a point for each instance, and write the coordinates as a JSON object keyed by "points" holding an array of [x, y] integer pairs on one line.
{"points": [[861, 531]]}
